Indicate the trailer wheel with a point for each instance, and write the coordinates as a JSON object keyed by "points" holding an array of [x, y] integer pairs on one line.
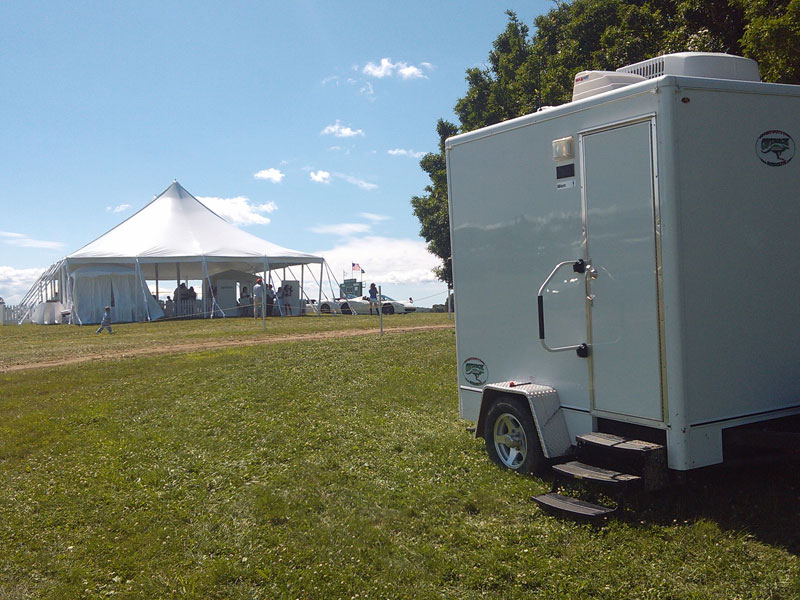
{"points": [[511, 438]]}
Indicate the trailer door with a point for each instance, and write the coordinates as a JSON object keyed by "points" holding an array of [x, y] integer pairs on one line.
{"points": [[620, 219]]}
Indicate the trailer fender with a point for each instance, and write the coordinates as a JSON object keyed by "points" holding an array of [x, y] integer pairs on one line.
{"points": [[545, 408]]}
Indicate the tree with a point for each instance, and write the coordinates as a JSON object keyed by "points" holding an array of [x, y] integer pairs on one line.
{"points": [[503, 89], [432, 209], [772, 37]]}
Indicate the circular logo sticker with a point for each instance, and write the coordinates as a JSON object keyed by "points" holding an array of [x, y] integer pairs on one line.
{"points": [[475, 371], [775, 148]]}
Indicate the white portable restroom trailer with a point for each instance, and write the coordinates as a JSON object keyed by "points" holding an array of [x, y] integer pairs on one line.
{"points": [[655, 222]]}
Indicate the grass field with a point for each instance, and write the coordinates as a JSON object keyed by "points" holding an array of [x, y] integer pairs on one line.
{"points": [[327, 468], [35, 344]]}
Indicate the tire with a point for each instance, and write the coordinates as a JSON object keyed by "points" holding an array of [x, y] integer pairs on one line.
{"points": [[511, 438], [345, 308], [325, 309], [388, 309]]}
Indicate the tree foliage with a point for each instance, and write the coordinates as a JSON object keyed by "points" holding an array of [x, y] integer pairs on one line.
{"points": [[524, 72], [431, 209]]}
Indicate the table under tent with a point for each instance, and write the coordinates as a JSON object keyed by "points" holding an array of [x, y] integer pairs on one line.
{"points": [[173, 240]]}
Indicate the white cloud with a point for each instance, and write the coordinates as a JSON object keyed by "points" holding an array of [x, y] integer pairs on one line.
{"points": [[401, 152], [23, 241], [118, 209], [320, 176], [364, 185], [239, 210], [341, 229], [342, 149], [373, 217], [340, 131], [385, 260], [14, 283], [272, 174], [387, 68], [368, 91]]}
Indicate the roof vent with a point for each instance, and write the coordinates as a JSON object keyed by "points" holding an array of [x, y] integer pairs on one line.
{"points": [[591, 83], [713, 65]]}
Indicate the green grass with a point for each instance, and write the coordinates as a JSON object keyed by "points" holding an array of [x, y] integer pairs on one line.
{"points": [[334, 469], [35, 343]]}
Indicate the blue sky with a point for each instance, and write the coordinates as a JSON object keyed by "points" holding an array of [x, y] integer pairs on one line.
{"points": [[301, 122]]}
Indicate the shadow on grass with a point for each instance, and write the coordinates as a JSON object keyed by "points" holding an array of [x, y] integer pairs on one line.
{"points": [[762, 500]]}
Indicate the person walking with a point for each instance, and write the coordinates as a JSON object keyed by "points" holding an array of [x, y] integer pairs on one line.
{"points": [[106, 322]]}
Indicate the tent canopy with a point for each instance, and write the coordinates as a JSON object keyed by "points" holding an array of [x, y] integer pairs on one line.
{"points": [[174, 237], [178, 232]]}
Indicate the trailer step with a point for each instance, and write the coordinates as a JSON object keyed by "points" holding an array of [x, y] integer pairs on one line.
{"points": [[609, 440], [637, 457], [572, 506], [596, 475]]}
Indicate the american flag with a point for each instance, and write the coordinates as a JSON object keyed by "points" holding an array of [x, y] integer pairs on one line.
{"points": [[356, 267]]}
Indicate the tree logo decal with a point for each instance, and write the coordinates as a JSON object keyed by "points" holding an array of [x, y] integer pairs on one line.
{"points": [[475, 371], [775, 148]]}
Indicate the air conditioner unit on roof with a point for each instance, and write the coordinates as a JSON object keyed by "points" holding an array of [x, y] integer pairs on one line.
{"points": [[713, 65]]}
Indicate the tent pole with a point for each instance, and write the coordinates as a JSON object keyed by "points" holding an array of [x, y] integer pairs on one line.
{"points": [[67, 292], [303, 290], [156, 281], [319, 298], [145, 291], [264, 281], [214, 304], [177, 301]]}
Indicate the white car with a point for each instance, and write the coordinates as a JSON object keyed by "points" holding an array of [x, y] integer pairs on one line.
{"points": [[360, 306]]}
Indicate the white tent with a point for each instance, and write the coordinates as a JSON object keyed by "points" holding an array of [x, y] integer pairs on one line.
{"points": [[173, 238]]}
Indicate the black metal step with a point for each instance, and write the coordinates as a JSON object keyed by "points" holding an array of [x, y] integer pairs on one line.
{"points": [[596, 475], [637, 457], [572, 506]]}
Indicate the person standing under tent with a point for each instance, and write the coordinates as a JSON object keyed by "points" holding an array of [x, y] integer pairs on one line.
{"points": [[169, 308], [270, 299], [279, 300], [106, 322], [176, 298], [183, 303], [245, 303], [287, 300], [373, 298], [258, 297], [192, 295]]}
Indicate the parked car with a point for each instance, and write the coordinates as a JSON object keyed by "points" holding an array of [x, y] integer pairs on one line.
{"points": [[327, 307], [360, 306]]}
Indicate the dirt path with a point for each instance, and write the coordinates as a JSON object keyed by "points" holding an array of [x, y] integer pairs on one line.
{"points": [[214, 344]]}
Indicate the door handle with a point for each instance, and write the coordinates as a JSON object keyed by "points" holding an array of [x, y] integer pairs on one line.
{"points": [[578, 266]]}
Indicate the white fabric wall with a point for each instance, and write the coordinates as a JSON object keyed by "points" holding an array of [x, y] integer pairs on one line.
{"points": [[92, 292], [47, 313]]}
